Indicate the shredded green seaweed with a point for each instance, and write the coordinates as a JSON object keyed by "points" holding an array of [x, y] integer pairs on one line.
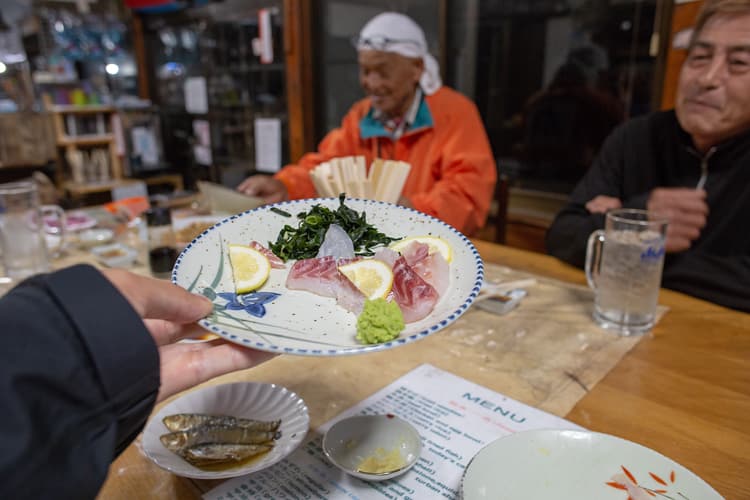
{"points": [[280, 212], [303, 242]]}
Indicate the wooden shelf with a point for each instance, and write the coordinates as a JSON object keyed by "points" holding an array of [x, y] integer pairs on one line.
{"points": [[98, 187], [85, 140], [81, 110], [68, 141]]}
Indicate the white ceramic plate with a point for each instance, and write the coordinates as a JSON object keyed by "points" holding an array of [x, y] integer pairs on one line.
{"points": [[115, 255], [76, 220], [95, 236], [244, 400], [186, 228], [577, 465], [299, 322]]}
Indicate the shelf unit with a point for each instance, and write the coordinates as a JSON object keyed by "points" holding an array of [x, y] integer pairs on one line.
{"points": [[238, 88], [86, 128]]}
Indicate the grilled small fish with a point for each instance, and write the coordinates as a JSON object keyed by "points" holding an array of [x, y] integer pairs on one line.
{"points": [[220, 453], [186, 421], [215, 434]]}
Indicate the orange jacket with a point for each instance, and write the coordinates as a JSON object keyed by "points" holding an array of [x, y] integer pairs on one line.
{"points": [[453, 171]]}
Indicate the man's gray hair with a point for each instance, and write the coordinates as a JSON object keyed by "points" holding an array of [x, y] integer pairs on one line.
{"points": [[714, 7]]}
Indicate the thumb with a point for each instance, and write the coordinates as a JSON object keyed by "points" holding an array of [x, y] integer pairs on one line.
{"points": [[157, 299]]}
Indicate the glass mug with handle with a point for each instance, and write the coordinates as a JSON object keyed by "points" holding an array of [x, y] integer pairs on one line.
{"points": [[22, 231], [623, 266]]}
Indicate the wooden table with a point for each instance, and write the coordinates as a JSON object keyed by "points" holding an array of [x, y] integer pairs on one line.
{"points": [[683, 391]]}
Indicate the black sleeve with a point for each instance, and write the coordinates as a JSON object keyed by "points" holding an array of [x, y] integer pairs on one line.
{"points": [[724, 280], [567, 236], [79, 375]]}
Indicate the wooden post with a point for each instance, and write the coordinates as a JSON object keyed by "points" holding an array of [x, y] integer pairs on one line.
{"points": [[298, 55], [139, 46]]}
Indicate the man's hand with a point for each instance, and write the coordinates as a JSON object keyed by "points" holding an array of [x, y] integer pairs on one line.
{"points": [[602, 204], [170, 312], [264, 186], [685, 209]]}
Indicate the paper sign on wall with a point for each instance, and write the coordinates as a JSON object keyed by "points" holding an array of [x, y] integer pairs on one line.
{"points": [[196, 99], [145, 146], [202, 146], [265, 38], [267, 144]]}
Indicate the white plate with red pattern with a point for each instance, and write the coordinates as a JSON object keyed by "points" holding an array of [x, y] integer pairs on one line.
{"points": [[299, 322], [577, 465], [76, 220]]}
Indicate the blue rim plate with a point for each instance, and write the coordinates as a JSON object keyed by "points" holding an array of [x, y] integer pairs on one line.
{"points": [[298, 322]]}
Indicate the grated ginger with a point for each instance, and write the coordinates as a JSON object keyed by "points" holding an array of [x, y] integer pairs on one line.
{"points": [[382, 462]]}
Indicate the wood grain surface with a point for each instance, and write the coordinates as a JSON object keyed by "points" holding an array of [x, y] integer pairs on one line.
{"points": [[684, 390]]}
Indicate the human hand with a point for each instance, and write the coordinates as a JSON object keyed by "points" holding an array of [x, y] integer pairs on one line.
{"points": [[170, 312], [685, 209], [602, 204], [271, 190]]}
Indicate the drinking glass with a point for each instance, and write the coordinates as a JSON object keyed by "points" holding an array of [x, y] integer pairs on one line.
{"points": [[623, 266], [22, 230]]}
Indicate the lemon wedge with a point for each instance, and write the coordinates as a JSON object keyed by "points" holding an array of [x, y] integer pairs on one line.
{"points": [[373, 277], [250, 268], [435, 244]]}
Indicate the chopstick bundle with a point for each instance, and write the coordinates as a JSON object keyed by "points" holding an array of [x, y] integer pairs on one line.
{"points": [[384, 180]]}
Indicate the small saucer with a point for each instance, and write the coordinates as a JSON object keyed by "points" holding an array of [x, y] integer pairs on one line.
{"points": [[386, 443], [95, 236], [115, 255]]}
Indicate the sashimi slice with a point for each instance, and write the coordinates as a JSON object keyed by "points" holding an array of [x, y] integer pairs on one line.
{"points": [[414, 296], [321, 276], [433, 268], [386, 255], [336, 243], [273, 259]]}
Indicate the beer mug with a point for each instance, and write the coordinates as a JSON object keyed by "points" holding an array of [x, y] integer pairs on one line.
{"points": [[623, 266], [22, 231]]}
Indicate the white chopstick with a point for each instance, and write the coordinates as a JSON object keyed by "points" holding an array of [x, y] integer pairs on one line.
{"points": [[384, 181]]}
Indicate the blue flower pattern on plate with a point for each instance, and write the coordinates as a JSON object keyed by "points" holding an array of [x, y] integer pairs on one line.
{"points": [[252, 303]]}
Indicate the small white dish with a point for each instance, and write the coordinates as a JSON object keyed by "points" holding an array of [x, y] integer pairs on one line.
{"points": [[577, 465], [115, 255], [95, 236], [243, 400], [75, 220], [353, 440]]}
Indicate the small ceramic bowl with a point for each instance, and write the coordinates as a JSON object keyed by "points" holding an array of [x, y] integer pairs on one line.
{"points": [[244, 400], [95, 236], [115, 255], [384, 445]]}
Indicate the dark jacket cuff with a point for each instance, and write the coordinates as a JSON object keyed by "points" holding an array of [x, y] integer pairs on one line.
{"points": [[122, 350]]}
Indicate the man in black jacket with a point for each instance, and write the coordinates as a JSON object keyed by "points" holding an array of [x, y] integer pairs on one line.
{"points": [[691, 165], [85, 356]]}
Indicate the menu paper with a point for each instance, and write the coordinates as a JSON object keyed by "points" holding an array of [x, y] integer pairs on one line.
{"points": [[455, 418]]}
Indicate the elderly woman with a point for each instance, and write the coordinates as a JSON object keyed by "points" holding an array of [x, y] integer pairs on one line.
{"points": [[410, 116]]}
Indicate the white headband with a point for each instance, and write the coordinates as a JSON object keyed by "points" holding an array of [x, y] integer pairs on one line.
{"points": [[397, 33]]}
